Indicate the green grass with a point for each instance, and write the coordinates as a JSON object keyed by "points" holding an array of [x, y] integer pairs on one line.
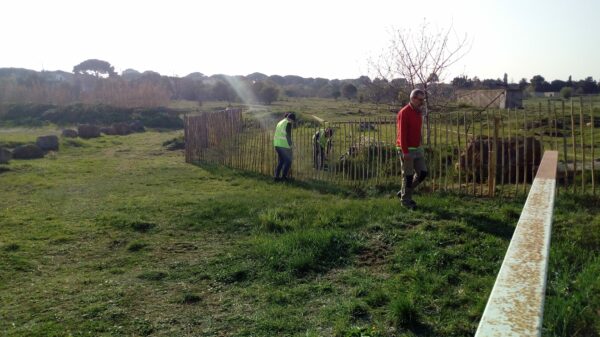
{"points": [[118, 236]]}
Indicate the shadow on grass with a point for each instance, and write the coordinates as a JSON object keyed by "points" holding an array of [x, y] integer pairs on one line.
{"points": [[474, 218], [569, 202], [312, 185], [494, 223]]}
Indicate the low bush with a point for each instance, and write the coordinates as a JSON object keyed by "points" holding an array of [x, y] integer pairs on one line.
{"points": [[79, 113]]}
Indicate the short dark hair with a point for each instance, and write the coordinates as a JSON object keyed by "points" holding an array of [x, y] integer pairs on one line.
{"points": [[290, 115]]}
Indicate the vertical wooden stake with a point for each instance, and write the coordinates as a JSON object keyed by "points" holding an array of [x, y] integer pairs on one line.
{"points": [[592, 127], [574, 148], [582, 141]]}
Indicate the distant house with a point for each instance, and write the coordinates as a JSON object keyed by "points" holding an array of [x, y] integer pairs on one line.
{"points": [[505, 98], [551, 94], [56, 76]]}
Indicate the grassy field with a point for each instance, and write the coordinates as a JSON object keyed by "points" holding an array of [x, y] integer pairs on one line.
{"points": [[327, 109], [117, 236]]}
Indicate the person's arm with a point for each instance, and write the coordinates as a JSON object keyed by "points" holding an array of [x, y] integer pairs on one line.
{"points": [[404, 133], [398, 129], [288, 133]]}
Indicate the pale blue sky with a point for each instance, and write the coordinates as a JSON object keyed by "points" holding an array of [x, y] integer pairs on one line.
{"points": [[310, 38]]}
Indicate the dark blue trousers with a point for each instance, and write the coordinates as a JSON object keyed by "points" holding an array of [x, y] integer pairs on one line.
{"points": [[284, 161]]}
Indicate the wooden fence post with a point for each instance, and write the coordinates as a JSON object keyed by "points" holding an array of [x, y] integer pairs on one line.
{"points": [[582, 141], [574, 148], [593, 126], [493, 160], [460, 149]]}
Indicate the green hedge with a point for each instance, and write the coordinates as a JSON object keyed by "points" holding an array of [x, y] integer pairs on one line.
{"points": [[38, 114]]}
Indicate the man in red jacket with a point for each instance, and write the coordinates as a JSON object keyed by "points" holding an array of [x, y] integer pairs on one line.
{"points": [[408, 143]]}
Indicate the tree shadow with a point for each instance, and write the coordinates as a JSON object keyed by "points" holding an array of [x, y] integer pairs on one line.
{"points": [[569, 202]]}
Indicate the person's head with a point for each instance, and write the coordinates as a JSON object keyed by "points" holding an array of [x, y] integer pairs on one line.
{"points": [[291, 116], [328, 132], [417, 98]]}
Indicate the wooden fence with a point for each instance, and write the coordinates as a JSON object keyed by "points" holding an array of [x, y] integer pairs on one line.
{"points": [[474, 152]]}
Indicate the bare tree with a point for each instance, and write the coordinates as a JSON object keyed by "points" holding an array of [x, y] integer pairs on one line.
{"points": [[422, 58]]}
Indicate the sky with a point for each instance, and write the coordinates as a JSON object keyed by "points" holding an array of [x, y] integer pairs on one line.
{"points": [[309, 38]]}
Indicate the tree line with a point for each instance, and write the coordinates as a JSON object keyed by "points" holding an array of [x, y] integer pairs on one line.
{"points": [[537, 84], [95, 81]]}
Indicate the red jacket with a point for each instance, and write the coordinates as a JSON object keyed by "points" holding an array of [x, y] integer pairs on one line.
{"points": [[408, 128]]}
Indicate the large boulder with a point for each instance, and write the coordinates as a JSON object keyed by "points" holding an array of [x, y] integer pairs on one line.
{"points": [[121, 129], [88, 131], [47, 143], [517, 159], [108, 130], [366, 150], [69, 133], [137, 126], [366, 126], [28, 151], [5, 155]]}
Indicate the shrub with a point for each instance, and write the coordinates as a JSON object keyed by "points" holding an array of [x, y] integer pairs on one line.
{"points": [[377, 299], [136, 246], [25, 112], [162, 120], [404, 312], [79, 113], [190, 299], [566, 92]]}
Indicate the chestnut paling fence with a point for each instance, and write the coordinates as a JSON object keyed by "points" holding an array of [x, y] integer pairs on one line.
{"points": [[476, 152]]}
